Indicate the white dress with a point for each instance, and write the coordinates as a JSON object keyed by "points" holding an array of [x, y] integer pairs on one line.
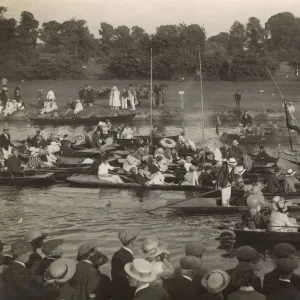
{"points": [[78, 108], [114, 98]]}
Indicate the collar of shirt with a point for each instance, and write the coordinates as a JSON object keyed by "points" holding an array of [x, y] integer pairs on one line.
{"points": [[18, 262], [87, 261], [127, 249], [187, 277], [285, 280], [144, 286], [247, 288], [50, 258]]}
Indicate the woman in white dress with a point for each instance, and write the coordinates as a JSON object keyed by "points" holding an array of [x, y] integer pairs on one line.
{"points": [[131, 98], [114, 98], [103, 172], [78, 107], [131, 163]]}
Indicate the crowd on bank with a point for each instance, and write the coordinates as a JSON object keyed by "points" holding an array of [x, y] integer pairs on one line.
{"points": [[35, 269]]}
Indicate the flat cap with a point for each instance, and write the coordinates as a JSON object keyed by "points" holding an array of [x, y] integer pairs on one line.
{"points": [[242, 270], [286, 265], [50, 245], [86, 247], [21, 247], [195, 249], [246, 253], [128, 235], [284, 250], [190, 263]]}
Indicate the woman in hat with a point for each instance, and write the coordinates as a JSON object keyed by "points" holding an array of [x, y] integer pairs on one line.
{"points": [[131, 97], [254, 220], [131, 163], [156, 252], [127, 132], [191, 177], [59, 275], [78, 107], [290, 182], [256, 198], [215, 282], [279, 220], [114, 98]]}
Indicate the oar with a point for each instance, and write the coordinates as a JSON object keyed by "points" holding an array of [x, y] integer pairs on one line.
{"points": [[123, 176], [198, 196], [230, 229]]}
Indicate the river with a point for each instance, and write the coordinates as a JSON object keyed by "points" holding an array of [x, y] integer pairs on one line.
{"points": [[78, 215]]}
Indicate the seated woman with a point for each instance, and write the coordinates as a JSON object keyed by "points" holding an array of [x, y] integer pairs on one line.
{"points": [[127, 133], [131, 163], [103, 172], [9, 108], [156, 176], [78, 107], [206, 178], [239, 130], [255, 198], [249, 129], [46, 108], [168, 156], [191, 177], [254, 220], [35, 161], [142, 152], [279, 220]]}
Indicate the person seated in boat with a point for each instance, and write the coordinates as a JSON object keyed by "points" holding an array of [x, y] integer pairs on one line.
{"points": [[239, 130], [168, 156], [256, 197], [47, 107], [2, 162], [78, 107], [35, 160], [103, 172], [246, 119], [279, 220], [70, 105], [236, 150], [141, 177], [290, 182], [66, 150], [53, 105], [131, 163], [210, 158], [180, 144], [191, 177], [108, 124], [262, 155], [250, 130], [9, 108], [98, 139], [175, 156], [254, 220], [206, 178], [258, 130], [241, 186], [142, 153], [273, 184], [226, 151], [127, 133], [54, 147], [156, 176], [188, 163], [15, 105], [162, 163], [155, 132], [238, 173], [13, 163], [50, 158]]}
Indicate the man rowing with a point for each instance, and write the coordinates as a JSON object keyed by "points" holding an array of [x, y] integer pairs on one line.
{"points": [[103, 172]]}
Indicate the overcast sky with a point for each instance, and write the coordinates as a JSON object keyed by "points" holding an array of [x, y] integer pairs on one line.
{"points": [[214, 15]]}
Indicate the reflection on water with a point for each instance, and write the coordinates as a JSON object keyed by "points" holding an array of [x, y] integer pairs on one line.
{"points": [[78, 215]]}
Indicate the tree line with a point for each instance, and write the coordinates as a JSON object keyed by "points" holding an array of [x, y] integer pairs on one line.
{"points": [[60, 50]]}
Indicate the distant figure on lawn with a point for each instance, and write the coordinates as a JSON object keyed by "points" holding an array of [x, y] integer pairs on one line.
{"points": [[40, 98], [238, 96]]}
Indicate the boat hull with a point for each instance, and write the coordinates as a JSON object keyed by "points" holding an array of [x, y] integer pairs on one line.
{"points": [[27, 179], [146, 139]]}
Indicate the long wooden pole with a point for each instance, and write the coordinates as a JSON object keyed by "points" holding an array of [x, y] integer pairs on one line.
{"points": [[202, 103], [151, 93]]}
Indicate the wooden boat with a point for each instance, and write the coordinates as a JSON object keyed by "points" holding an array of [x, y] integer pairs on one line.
{"points": [[20, 115], [257, 237], [94, 151], [146, 138], [26, 179], [77, 120]]}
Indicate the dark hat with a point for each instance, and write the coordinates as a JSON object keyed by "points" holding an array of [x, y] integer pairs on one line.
{"points": [[21, 247], [128, 235], [195, 249], [50, 245], [284, 250], [261, 146], [241, 271], [190, 263], [286, 265], [246, 253], [99, 259], [86, 247]]}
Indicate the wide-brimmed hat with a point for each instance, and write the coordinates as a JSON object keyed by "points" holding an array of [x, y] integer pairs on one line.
{"points": [[290, 172], [21, 247], [34, 234], [216, 281], [141, 270], [280, 205], [232, 161], [235, 143], [239, 170], [240, 125], [276, 199], [86, 247], [192, 168], [153, 247], [61, 270], [129, 234], [51, 245]]}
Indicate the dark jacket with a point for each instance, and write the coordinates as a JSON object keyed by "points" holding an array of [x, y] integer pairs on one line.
{"points": [[67, 292], [246, 120], [81, 94], [89, 96], [104, 289], [34, 258], [152, 293], [4, 141], [18, 282], [284, 291], [140, 179], [66, 151], [271, 279], [40, 267], [226, 153], [246, 295], [236, 152], [273, 183], [180, 288], [13, 164], [85, 280], [206, 179], [262, 155], [121, 288]]}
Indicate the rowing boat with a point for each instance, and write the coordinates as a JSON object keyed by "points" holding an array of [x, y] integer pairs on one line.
{"points": [[77, 120], [26, 179], [94, 151], [62, 174], [257, 237], [146, 138]]}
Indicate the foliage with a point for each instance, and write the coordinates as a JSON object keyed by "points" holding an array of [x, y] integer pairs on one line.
{"points": [[294, 60], [237, 39]]}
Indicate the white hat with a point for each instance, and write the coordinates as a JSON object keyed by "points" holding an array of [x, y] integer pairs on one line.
{"points": [[216, 281], [240, 125], [60, 270], [235, 142], [153, 247], [276, 199], [239, 170], [4, 88], [232, 161], [141, 270], [290, 172]]}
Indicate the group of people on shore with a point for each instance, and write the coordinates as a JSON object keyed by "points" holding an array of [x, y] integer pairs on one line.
{"points": [[35, 269]]}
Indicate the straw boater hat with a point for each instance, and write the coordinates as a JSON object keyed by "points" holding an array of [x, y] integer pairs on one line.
{"points": [[280, 205], [34, 234], [153, 247], [232, 161], [239, 170], [290, 172], [141, 270], [216, 281], [61, 270], [235, 143]]}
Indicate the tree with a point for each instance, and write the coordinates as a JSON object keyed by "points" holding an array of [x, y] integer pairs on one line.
{"points": [[27, 30], [222, 39], [255, 35], [107, 33], [137, 33], [237, 38]]}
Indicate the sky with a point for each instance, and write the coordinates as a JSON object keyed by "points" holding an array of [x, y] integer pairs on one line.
{"points": [[214, 15]]}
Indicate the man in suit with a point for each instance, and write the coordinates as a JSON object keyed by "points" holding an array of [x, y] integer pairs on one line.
{"points": [[283, 250], [183, 286], [17, 278], [273, 182], [121, 288], [283, 288], [14, 163], [5, 143]]}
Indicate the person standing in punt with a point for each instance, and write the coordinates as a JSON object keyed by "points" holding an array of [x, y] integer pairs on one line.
{"points": [[226, 151], [5, 142], [271, 279], [121, 287], [236, 150], [140, 274], [273, 183], [13, 163], [290, 182], [246, 119]]}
